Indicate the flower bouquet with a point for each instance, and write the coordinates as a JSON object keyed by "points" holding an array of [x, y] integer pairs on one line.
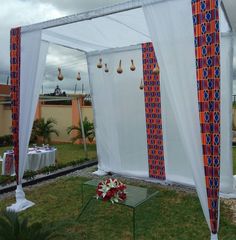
{"points": [[111, 190]]}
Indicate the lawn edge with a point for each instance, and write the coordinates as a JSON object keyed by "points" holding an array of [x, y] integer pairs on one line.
{"points": [[45, 177]]}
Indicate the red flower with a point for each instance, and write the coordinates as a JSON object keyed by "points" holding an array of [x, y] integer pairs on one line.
{"points": [[115, 193]]}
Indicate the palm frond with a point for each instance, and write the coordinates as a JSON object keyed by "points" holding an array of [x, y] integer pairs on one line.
{"points": [[44, 128], [89, 130], [12, 228]]}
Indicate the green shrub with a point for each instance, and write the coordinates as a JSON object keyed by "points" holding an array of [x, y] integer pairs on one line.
{"points": [[29, 175], [6, 140], [89, 130], [14, 228], [42, 130], [4, 179]]}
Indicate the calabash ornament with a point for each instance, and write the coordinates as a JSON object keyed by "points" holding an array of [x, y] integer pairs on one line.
{"points": [[119, 69], [141, 85], [106, 68], [78, 76], [60, 76], [156, 70], [132, 67], [99, 65]]}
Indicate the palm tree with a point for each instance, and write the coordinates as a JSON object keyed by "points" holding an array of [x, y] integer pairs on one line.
{"points": [[89, 131], [14, 228], [43, 129]]}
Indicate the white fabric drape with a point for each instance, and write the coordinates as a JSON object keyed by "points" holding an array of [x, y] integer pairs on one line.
{"points": [[33, 60], [96, 31], [119, 113], [171, 27], [226, 62]]}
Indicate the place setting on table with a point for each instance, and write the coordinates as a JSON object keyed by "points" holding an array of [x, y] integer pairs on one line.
{"points": [[38, 157]]}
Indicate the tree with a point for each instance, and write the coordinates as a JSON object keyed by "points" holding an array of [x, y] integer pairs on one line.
{"points": [[14, 228], [43, 129], [89, 131]]}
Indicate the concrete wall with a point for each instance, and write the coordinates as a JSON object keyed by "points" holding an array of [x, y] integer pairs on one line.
{"points": [[63, 116], [88, 112], [5, 120]]}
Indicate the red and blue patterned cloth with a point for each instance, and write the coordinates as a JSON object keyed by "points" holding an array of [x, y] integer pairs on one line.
{"points": [[207, 51], [152, 94]]}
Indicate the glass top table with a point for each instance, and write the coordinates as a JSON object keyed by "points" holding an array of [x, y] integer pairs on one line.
{"points": [[136, 196]]}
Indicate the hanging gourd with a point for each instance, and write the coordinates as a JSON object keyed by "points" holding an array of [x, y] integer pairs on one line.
{"points": [[60, 76], [99, 65], [106, 68], [156, 70], [119, 69], [132, 67], [141, 85], [78, 76]]}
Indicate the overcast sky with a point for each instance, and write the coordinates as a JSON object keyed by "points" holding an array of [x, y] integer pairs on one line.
{"points": [[24, 12]]}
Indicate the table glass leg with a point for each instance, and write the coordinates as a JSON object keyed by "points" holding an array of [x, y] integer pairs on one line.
{"points": [[84, 207], [134, 230], [82, 194]]}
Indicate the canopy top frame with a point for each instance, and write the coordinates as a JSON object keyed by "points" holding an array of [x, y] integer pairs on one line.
{"points": [[96, 13], [88, 15]]}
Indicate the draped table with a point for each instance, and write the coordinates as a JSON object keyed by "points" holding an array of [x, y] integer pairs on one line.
{"points": [[37, 159]]}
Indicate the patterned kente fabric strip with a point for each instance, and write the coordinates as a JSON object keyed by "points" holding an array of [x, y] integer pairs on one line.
{"points": [[207, 50], [15, 54], [153, 114]]}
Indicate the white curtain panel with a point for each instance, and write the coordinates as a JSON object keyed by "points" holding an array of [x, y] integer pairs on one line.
{"points": [[171, 27], [33, 59], [106, 132], [226, 62], [119, 113]]}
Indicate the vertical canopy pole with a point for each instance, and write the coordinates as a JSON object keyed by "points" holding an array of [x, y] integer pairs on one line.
{"points": [[82, 129]]}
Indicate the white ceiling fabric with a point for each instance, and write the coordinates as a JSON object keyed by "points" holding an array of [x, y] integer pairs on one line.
{"points": [[116, 30]]}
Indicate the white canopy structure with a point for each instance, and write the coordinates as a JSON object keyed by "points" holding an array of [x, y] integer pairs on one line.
{"points": [[157, 133]]}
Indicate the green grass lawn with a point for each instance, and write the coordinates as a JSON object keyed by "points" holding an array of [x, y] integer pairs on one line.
{"points": [[170, 215], [69, 152]]}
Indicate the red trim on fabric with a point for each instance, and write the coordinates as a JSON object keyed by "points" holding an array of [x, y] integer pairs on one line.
{"points": [[207, 51], [153, 114], [15, 60]]}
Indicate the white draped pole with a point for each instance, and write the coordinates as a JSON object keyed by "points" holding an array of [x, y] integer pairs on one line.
{"points": [[171, 28], [32, 61], [214, 236], [191, 92], [226, 64], [82, 129]]}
